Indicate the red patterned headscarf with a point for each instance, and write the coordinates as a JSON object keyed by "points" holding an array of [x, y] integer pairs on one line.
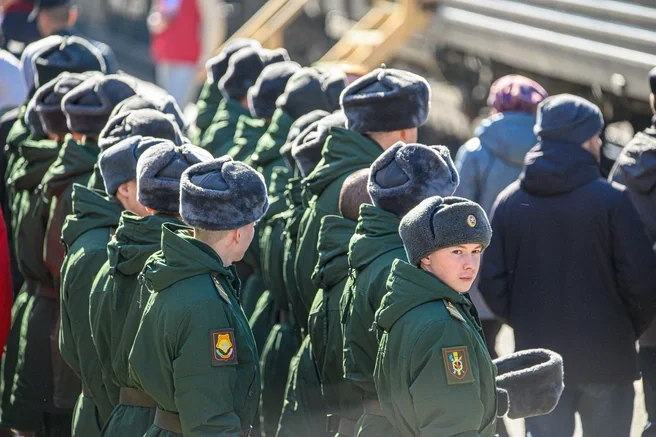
{"points": [[516, 93]]}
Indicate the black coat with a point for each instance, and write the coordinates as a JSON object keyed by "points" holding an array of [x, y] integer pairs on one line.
{"points": [[570, 267]]}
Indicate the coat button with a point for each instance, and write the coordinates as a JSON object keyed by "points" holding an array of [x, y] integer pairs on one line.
{"points": [[250, 394]]}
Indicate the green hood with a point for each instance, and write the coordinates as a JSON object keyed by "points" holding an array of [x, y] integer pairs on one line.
{"points": [[342, 154], [248, 133], [408, 287], [74, 160], [377, 233], [135, 240], [268, 147], [38, 157], [334, 236], [92, 209], [182, 257], [209, 103]]}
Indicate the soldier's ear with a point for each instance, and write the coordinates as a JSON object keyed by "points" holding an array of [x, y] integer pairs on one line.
{"points": [[425, 263]]}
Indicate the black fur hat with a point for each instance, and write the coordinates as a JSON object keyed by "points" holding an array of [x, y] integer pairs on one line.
{"points": [[159, 171], [88, 106], [268, 87], [307, 149], [48, 100], [222, 194], [386, 100], [34, 122], [299, 125], [533, 379], [406, 174], [143, 122], [164, 104], [244, 68], [217, 66], [118, 164], [312, 88]]}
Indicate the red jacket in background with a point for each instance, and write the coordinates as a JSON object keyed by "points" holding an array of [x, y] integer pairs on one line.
{"points": [[180, 42], [6, 290]]}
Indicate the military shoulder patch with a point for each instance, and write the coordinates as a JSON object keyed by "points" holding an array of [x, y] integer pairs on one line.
{"points": [[456, 365], [223, 347]]}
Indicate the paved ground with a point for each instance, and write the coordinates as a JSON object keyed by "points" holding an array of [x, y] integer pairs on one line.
{"points": [[506, 344]]}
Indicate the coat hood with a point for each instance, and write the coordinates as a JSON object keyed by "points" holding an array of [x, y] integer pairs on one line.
{"points": [[638, 162], [508, 136], [38, 157], [334, 236], [181, 257], [377, 233], [407, 288], [554, 168], [343, 153], [74, 160], [92, 209], [135, 240]]}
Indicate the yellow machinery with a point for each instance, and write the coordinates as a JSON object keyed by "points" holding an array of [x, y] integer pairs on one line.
{"points": [[372, 40]]}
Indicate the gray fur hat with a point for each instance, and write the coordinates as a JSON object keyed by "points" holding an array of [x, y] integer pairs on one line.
{"points": [[533, 379], [386, 100], [297, 127], [312, 88], [222, 194], [34, 122], [159, 171], [142, 122], [118, 164], [88, 106], [439, 222], [406, 174], [48, 100], [217, 66], [245, 67], [307, 150], [166, 105], [268, 87]]}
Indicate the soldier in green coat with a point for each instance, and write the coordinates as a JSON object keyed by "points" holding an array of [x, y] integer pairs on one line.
{"points": [[401, 178], [194, 352], [117, 302], [434, 374], [210, 96], [244, 67], [382, 108]]}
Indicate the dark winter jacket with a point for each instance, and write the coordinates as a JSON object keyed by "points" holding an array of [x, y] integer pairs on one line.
{"points": [[569, 266], [208, 105], [248, 133], [267, 152], [219, 137]]}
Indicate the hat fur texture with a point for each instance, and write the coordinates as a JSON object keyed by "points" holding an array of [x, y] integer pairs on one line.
{"points": [[217, 66], [142, 122], [307, 149], [311, 88], [533, 379], [406, 174], [222, 194], [441, 222], [159, 171], [269, 85], [166, 105], [386, 100], [245, 67], [118, 164]]}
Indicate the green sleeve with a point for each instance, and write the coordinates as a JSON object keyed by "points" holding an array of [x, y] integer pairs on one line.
{"points": [[443, 409], [204, 392]]}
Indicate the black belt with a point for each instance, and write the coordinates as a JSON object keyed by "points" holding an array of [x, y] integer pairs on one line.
{"points": [[170, 422], [135, 398]]}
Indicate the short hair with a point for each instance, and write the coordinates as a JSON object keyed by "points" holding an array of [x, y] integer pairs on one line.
{"points": [[210, 237], [354, 194], [60, 14]]}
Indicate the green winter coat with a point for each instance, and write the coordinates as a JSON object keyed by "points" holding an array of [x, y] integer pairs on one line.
{"points": [[295, 208], [218, 139], [267, 152], [194, 353], [85, 235], [434, 374], [209, 103], [117, 312], [325, 330], [343, 153], [248, 133]]}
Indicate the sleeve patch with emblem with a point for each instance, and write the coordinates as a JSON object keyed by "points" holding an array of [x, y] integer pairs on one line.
{"points": [[223, 347], [456, 365]]}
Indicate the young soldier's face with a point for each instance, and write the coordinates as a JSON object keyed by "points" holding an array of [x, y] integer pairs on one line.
{"points": [[456, 266]]}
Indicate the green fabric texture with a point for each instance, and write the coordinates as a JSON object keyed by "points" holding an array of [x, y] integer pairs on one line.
{"points": [[85, 235], [343, 153], [248, 133], [295, 208], [372, 251], [209, 103], [174, 350], [219, 137], [267, 152], [324, 323], [118, 302], [304, 410], [414, 388]]}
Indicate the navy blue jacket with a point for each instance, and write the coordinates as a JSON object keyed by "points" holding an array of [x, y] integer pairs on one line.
{"points": [[570, 267]]}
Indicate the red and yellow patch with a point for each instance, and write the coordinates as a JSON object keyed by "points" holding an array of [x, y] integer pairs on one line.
{"points": [[456, 365], [223, 347]]}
